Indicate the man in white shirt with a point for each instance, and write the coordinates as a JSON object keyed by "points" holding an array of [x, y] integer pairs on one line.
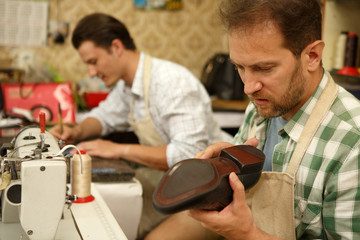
{"points": [[162, 102]]}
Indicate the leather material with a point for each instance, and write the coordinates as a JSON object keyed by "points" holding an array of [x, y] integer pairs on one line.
{"points": [[204, 183]]}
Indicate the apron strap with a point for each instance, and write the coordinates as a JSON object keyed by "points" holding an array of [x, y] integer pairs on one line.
{"points": [[146, 83], [312, 124], [146, 79]]}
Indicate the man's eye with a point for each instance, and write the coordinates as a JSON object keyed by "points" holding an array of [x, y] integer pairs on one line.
{"points": [[263, 69], [91, 61], [238, 68]]}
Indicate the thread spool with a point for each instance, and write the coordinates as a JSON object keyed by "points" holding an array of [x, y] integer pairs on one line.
{"points": [[81, 181], [350, 56], [351, 50], [340, 50]]}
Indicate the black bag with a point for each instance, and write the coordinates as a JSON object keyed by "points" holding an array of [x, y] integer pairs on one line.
{"points": [[221, 79]]}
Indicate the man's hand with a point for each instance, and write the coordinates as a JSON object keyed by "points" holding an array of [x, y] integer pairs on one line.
{"points": [[215, 149], [235, 220], [68, 134], [87, 129], [103, 148]]}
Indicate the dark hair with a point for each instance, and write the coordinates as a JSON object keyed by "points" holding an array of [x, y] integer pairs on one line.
{"points": [[101, 29], [298, 20]]}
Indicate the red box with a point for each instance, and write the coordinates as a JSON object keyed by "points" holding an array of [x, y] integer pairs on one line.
{"points": [[40, 97], [92, 99]]}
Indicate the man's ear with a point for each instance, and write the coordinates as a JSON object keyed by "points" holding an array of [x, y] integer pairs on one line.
{"points": [[117, 46], [313, 54]]}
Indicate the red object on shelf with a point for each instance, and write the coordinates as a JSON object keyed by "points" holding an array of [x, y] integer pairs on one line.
{"points": [[40, 97], [92, 99], [352, 71], [350, 56]]}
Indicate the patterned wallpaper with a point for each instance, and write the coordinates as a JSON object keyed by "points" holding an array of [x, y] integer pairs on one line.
{"points": [[189, 36]]}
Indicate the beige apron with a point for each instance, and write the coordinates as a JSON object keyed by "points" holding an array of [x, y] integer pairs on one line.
{"points": [[271, 200], [144, 128], [148, 177]]}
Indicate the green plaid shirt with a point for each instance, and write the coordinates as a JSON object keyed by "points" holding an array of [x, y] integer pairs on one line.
{"points": [[327, 190]]}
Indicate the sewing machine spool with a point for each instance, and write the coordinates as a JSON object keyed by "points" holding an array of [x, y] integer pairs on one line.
{"points": [[81, 181], [11, 200], [13, 193]]}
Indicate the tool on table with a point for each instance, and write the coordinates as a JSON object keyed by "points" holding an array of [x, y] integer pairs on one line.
{"points": [[60, 120], [61, 125], [42, 130]]}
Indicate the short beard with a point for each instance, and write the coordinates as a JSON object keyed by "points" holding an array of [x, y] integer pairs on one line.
{"points": [[290, 99]]}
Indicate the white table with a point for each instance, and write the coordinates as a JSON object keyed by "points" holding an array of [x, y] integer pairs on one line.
{"points": [[124, 200]]}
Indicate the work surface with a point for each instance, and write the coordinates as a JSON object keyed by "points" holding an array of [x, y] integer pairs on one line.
{"points": [[111, 170]]}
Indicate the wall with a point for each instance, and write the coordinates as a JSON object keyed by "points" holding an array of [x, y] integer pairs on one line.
{"points": [[189, 36]]}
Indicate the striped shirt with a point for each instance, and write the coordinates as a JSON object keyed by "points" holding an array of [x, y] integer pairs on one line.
{"points": [[178, 103], [327, 191]]}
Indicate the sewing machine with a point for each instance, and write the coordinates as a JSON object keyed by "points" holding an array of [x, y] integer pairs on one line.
{"points": [[33, 183], [34, 199]]}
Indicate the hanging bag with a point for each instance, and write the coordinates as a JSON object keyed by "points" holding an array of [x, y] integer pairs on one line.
{"points": [[221, 79]]}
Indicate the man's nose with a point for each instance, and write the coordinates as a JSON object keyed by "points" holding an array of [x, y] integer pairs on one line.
{"points": [[251, 83], [92, 71]]}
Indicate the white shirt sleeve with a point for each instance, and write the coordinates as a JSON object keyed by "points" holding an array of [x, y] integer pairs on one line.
{"points": [[114, 110], [182, 114]]}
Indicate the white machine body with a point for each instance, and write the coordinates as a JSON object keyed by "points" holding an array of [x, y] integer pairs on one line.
{"points": [[37, 198]]}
